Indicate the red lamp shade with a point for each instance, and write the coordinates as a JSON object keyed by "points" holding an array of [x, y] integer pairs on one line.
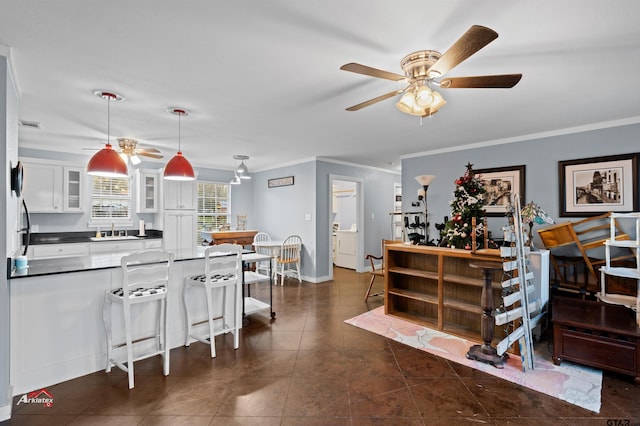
{"points": [[179, 168], [107, 163]]}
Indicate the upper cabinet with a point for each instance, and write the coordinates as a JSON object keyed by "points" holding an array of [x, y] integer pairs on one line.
{"points": [[52, 188], [73, 179], [147, 189], [42, 187], [179, 194]]}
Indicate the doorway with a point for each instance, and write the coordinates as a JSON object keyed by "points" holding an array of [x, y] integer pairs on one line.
{"points": [[346, 222]]}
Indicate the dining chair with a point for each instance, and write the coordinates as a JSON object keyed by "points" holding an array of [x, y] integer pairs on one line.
{"points": [[145, 279], [262, 237], [376, 272], [222, 272], [289, 258]]}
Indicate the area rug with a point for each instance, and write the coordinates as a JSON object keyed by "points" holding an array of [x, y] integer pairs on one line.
{"points": [[576, 384]]}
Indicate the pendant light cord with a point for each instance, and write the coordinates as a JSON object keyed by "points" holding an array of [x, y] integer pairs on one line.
{"points": [[108, 119], [179, 138]]}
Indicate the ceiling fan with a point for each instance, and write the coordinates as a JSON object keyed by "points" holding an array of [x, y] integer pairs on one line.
{"points": [[129, 148], [424, 69]]}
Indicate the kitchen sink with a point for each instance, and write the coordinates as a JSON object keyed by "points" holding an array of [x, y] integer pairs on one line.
{"points": [[118, 238]]}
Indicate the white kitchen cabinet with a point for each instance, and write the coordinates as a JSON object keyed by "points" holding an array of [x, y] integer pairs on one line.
{"points": [[73, 179], [179, 194], [122, 246], [179, 234], [155, 243], [48, 251], [42, 187], [53, 188], [147, 189]]}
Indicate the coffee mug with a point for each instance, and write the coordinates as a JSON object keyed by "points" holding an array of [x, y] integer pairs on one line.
{"points": [[21, 262]]}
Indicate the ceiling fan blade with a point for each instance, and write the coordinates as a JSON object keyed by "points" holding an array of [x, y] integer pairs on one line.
{"points": [[151, 149], [504, 81], [371, 72], [374, 100], [473, 40], [148, 154]]}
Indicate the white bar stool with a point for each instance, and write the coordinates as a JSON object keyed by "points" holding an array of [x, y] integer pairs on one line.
{"points": [[222, 270], [145, 278]]}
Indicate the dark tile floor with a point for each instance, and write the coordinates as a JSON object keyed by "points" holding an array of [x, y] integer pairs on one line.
{"points": [[309, 368]]}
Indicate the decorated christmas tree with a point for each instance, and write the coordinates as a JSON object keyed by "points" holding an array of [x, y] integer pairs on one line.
{"points": [[467, 204]]}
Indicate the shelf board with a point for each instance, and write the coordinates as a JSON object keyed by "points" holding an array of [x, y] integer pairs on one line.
{"points": [[462, 306], [618, 299], [623, 243], [414, 272], [622, 272], [415, 295], [251, 277], [252, 305], [475, 282], [420, 320]]}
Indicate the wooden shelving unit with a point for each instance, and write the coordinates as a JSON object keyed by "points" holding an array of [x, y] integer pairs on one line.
{"points": [[435, 287]]}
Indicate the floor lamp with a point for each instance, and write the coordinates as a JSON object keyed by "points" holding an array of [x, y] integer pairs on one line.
{"points": [[425, 181]]}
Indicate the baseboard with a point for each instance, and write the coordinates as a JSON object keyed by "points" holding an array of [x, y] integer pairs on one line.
{"points": [[5, 408]]}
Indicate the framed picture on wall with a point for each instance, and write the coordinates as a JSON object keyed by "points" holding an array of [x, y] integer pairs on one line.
{"points": [[592, 186], [501, 184]]}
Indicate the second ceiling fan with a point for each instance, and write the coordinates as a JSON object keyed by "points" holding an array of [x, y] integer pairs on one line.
{"points": [[425, 68]]}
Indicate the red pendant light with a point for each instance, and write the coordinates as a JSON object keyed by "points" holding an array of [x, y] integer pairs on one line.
{"points": [[179, 168], [107, 162]]}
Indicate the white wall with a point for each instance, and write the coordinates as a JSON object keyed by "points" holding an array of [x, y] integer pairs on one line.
{"points": [[540, 156], [8, 216]]}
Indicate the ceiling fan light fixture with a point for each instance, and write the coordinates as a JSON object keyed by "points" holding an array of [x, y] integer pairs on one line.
{"points": [[135, 160], [424, 96], [107, 162], [179, 168], [406, 103]]}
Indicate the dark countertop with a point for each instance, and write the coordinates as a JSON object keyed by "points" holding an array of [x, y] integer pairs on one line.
{"points": [[65, 265], [81, 237]]}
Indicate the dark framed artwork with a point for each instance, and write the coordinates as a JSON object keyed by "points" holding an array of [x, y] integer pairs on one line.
{"points": [[283, 181], [592, 186], [501, 184]]}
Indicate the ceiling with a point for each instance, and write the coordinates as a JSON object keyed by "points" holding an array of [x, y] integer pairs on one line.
{"points": [[262, 78]]}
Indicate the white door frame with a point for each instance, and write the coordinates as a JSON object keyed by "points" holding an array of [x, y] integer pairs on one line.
{"points": [[359, 221]]}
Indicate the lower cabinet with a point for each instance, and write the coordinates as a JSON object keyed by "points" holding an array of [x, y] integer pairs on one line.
{"points": [[179, 234], [48, 251], [117, 246]]}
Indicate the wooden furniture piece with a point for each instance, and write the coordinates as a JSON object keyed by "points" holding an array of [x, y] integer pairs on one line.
{"points": [[596, 334], [435, 287], [222, 271], [485, 352], [376, 272], [288, 261], [577, 250], [243, 238], [630, 273]]}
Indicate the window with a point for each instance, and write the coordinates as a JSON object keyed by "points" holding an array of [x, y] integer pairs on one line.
{"points": [[213, 206], [110, 199]]}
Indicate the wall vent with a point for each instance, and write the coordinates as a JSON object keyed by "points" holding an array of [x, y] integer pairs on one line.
{"points": [[30, 124]]}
